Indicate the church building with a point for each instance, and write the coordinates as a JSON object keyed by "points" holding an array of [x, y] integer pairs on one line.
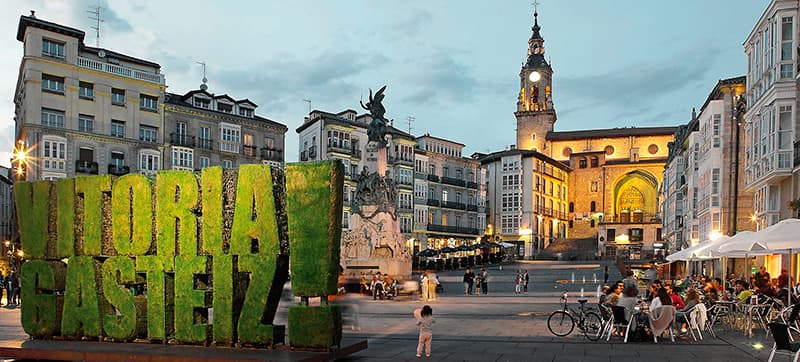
{"points": [[599, 186]]}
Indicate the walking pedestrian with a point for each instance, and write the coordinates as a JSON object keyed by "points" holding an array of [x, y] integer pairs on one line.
{"points": [[424, 286], [433, 282], [14, 288], [469, 278], [2, 288], [424, 321], [518, 283], [605, 275], [525, 280], [484, 281]]}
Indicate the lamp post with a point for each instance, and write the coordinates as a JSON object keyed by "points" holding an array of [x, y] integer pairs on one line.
{"points": [[20, 160]]}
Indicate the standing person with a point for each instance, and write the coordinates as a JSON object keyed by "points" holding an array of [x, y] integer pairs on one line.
{"points": [[762, 279], [484, 281], [518, 283], [630, 281], [425, 321], [478, 283], [424, 286], [2, 288], [433, 282], [525, 280], [13, 286], [469, 278], [605, 274]]}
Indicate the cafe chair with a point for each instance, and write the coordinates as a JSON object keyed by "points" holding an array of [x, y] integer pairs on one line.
{"points": [[619, 320], [780, 332], [662, 319]]}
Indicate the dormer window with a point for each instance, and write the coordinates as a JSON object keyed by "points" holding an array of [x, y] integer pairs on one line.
{"points": [[52, 48], [202, 103], [247, 112], [224, 107]]}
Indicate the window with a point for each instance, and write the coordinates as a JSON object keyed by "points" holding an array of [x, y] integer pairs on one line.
{"points": [[227, 164], [86, 90], [787, 31], [51, 83], [117, 128], [52, 48], [571, 207], [715, 126], [182, 158], [85, 123], [231, 137], [149, 161], [593, 206], [715, 183], [148, 134], [595, 161], [148, 103], [636, 234], [85, 154], [582, 163], [118, 97], [54, 153], [204, 162], [201, 102], [224, 107], [204, 138], [117, 159], [52, 118], [247, 112]]}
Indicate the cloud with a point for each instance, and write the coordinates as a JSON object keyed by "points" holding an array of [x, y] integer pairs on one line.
{"points": [[83, 9], [442, 78], [411, 24]]}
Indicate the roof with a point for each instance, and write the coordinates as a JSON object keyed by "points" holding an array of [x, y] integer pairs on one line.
{"points": [[494, 156], [180, 100], [428, 135], [337, 119], [26, 21], [536, 61], [716, 93], [120, 56], [610, 132]]}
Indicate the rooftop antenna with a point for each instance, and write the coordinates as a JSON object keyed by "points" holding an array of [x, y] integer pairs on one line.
{"points": [[95, 15], [309, 104], [409, 120], [203, 86]]}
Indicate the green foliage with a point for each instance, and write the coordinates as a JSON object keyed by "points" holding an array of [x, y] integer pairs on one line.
{"points": [[187, 298], [176, 198], [154, 268], [91, 189], [250, 329], [223, 298], [81, 315], [318, 327], [211, 185], [40, 311], [132, 214], [65, 220], [33, 200], [314, 206], [118, 271], [254, 215]]}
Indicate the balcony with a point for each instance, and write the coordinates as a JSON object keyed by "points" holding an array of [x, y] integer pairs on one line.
{"points": [[472, 207], [453, 181], [770, 168], [403, 160], [89, 167], [420, 175], [229, 146], [271, 154], [312, 152], [356, 154], [249, 150], [433, 178], [796, 153], [453, 205], [181, 139], [433, 202], [339, 148], [453, 229], [121, 70], [303, 156], [118, 170], [472, 185], [205, 143]]}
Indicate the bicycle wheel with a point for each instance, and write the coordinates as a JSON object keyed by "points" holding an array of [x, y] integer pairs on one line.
{"points": [[592, 326], [560, 323]]}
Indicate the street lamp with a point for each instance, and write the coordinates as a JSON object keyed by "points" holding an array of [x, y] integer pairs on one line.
{"points": [[20, 159]]}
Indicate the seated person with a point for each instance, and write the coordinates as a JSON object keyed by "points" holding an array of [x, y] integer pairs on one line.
{"points": [[743, 293], [653, 291], [628, 299], [692, 299], [604, 294], [711, 292], [660, 299], [677, 301]]}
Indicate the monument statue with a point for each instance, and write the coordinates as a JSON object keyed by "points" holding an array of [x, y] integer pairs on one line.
{"points": [[374, 242]]}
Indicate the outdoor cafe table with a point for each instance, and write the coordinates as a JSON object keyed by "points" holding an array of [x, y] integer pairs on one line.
{"points": [[751, 312], [724, 309]]}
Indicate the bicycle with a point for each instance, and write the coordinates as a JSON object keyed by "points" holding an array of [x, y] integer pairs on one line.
{"points": [[562, 321]]}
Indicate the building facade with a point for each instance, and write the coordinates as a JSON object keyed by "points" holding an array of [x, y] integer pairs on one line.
{"points": [[81, 110], [202, 129], [343, 136]]}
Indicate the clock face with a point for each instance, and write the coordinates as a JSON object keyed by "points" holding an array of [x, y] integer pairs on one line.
{"points": [[535, 76]]}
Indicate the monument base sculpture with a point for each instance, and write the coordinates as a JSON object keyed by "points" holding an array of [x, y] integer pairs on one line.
{"points": [[375, 244]]}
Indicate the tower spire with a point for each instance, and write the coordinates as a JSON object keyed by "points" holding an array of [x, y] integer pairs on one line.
{"points": [[536, 42]]}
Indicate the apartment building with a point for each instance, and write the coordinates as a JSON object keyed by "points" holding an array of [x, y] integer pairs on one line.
{"points": [[204, 129], [81, 110]]}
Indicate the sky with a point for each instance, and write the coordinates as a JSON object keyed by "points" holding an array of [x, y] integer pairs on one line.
{"points": [[452, 66]]}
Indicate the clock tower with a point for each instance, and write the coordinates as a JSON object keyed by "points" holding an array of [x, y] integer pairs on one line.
{"points": [[535, 113]]}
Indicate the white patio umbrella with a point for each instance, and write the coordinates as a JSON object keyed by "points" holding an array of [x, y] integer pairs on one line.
{"points": [[783, 238], [743, 243]]}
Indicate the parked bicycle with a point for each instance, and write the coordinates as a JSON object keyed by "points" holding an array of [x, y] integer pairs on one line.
{"points": [[564, 320]]}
